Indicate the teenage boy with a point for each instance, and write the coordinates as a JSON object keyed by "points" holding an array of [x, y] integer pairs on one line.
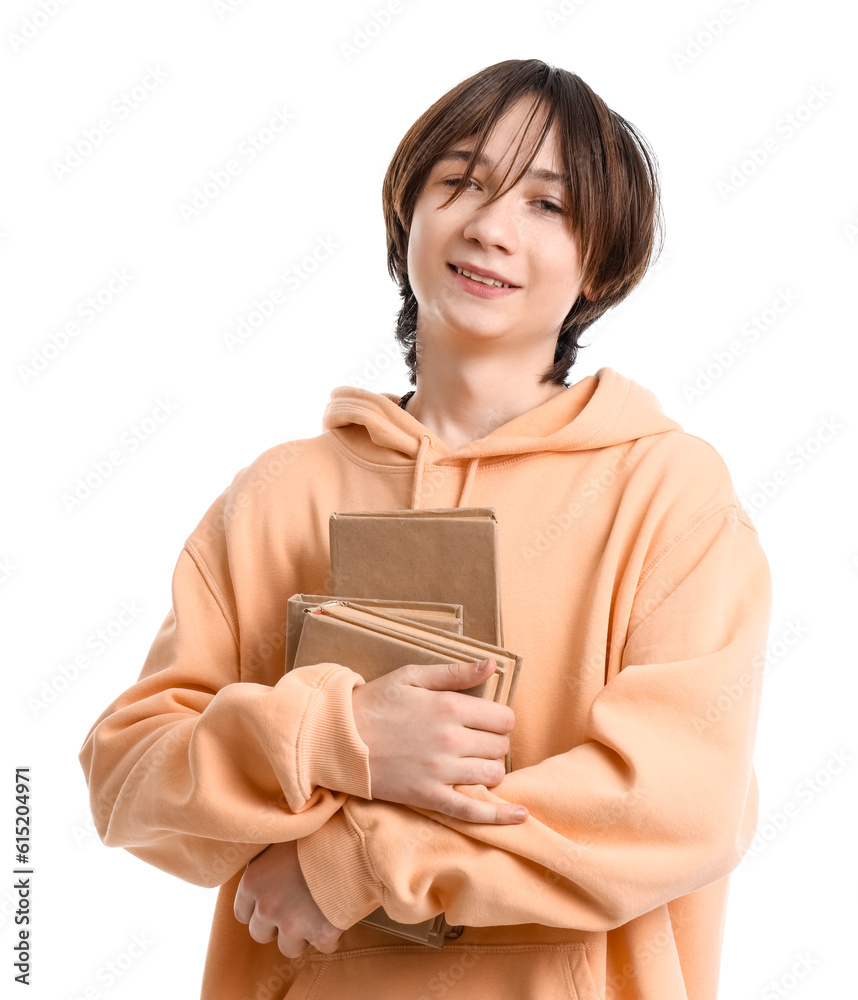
{"points": [[519, 208]]}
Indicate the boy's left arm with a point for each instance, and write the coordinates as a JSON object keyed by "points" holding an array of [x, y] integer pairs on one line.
{"points": [[658, 800]]}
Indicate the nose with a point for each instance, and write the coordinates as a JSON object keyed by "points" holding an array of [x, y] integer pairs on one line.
{"points": [[494, 225]]}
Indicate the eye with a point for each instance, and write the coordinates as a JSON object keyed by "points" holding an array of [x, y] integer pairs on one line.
{"points": [[453, 181], [551, 206]]}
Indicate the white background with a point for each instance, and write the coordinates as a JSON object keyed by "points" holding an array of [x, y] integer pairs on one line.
{"points": [[788, 232]]}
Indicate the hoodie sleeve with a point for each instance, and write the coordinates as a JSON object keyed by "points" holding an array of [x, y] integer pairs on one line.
{"points": [[658, 800], [196, 773]]}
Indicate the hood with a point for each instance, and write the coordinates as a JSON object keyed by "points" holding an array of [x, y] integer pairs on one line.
{"points": [[601, 410]]}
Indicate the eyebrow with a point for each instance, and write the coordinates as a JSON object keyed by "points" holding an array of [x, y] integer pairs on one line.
{"points": [[539, 174]]}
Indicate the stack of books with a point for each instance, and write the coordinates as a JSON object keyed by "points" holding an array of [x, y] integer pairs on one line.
{"points": [[409, 586]]}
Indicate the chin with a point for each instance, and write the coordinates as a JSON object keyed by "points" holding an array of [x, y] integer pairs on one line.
{"points": [[478, 333]]}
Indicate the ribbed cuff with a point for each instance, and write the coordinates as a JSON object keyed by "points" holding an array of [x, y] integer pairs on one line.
{"points": [[338, 873], [331, 754]]}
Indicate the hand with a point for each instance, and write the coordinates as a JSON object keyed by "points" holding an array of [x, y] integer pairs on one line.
{"points": [[274, 900], [424, 736]]}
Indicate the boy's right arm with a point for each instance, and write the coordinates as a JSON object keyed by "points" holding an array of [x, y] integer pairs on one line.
{"points": [[195, 769], [195, 772]]}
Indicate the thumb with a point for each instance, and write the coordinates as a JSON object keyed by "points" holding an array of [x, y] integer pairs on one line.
{"points": [[451, 676]]}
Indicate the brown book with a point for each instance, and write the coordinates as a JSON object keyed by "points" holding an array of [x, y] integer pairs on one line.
{"points": [[431, 932], [443, 554], [372, 644], [446, 616]]}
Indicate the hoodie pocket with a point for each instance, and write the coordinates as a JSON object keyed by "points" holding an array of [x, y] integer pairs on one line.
{"points": [[456, 972]]}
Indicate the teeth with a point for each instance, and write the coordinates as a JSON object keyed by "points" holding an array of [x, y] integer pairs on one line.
{"points": [[480, 278]]}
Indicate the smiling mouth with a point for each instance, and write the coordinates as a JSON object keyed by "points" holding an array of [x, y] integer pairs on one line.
{"points": [[492, 282]]}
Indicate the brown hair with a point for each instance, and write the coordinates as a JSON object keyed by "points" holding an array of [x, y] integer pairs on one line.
{"points": [[614, 191]]}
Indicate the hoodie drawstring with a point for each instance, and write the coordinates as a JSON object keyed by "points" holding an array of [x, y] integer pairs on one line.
{"points": [[418, 470], [469, 479], [419, 464]]}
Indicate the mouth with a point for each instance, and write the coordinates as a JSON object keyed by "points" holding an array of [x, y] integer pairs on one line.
{"points": [[488, 278]]}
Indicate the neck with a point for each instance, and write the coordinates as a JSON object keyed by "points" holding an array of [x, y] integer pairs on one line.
{"points": [[461, 404]]}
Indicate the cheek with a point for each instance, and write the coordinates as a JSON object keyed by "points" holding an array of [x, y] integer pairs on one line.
{"points": [[565, 272], [423, 254], [559, 274], [417, 246]]}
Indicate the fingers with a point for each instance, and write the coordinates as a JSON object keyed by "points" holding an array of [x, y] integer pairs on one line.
{"points": [[290, 946], [473, 811], [244, 903], [327, 939], [450, 676], [488, 772], [262, 931], [473, 771], [506, 815], [485, 746], [324, 938], [476, 713], [274, 900]]}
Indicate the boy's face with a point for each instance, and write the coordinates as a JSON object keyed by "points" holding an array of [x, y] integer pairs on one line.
{"points": [[523, 238]]}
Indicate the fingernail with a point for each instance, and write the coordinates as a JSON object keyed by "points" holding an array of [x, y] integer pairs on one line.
{"points": [[519, 815]]}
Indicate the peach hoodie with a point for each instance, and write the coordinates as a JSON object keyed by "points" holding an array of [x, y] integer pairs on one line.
{"points": [[635, 589]]}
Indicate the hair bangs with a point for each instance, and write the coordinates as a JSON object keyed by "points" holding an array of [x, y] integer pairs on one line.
{"points": [[538, 104]]}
